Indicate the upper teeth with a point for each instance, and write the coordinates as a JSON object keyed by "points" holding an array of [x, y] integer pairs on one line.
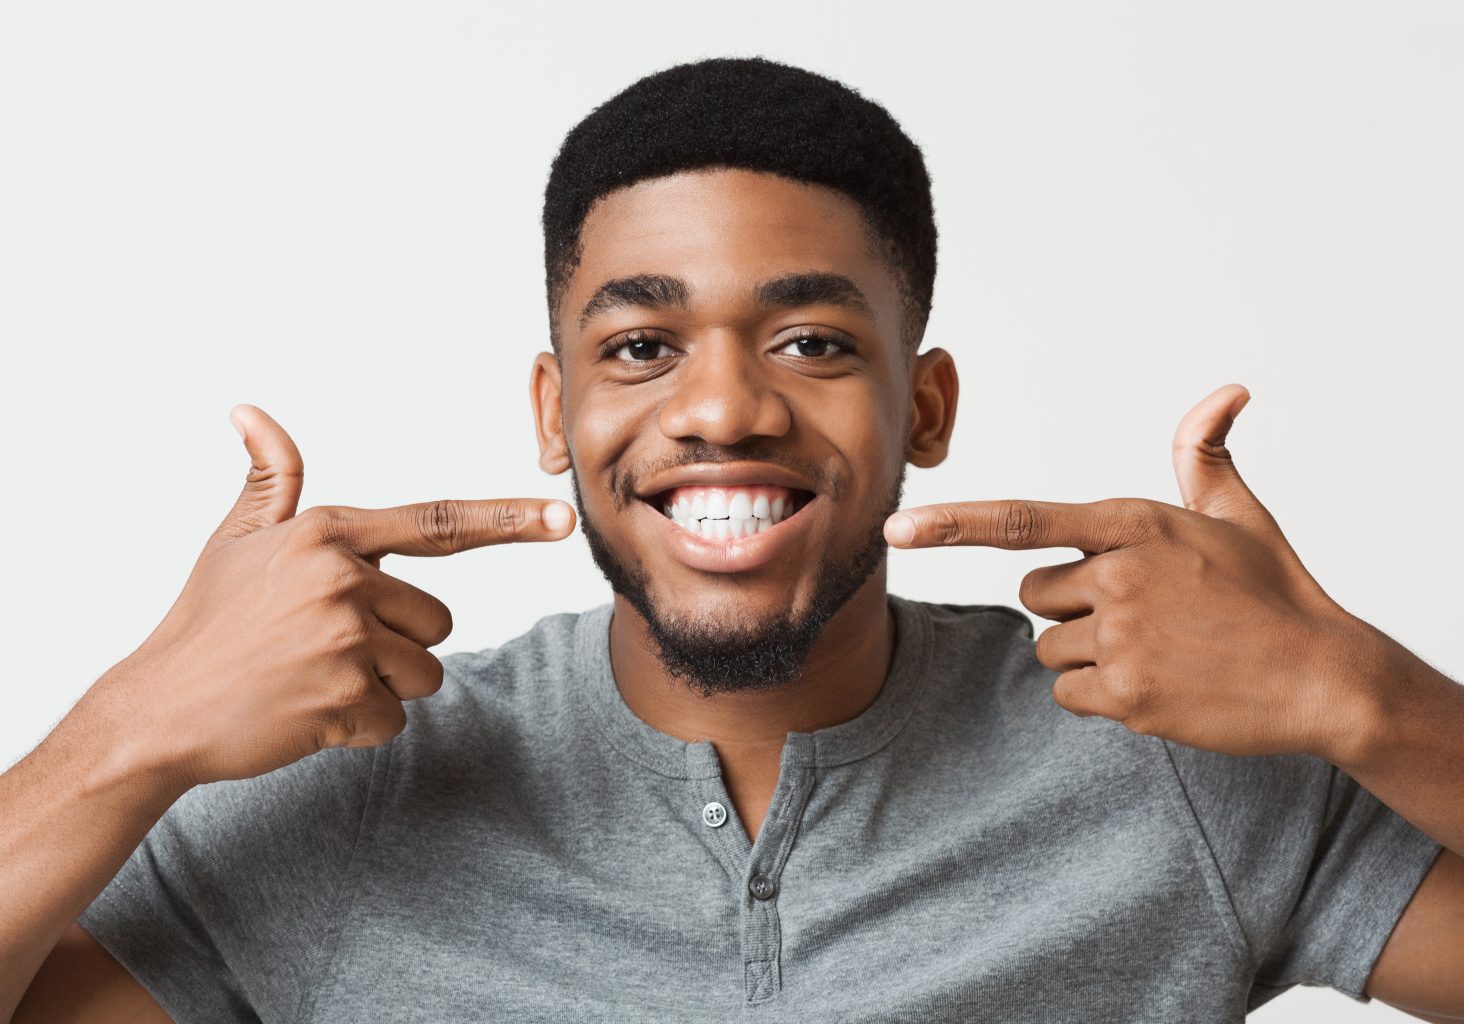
{"points": [[722, 513]]}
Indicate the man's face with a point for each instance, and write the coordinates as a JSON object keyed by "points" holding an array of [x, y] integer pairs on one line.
{"points": [[730, 352]]}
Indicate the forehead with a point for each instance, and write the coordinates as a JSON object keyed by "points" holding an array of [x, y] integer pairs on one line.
{"points": [[722, 231]]}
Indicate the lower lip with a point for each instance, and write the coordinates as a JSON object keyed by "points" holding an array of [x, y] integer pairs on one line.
{"points": [[736, 554]]}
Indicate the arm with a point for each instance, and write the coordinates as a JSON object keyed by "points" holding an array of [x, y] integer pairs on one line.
{"points": [[81, 983], [1201, 625], [1408, 751], [288, 639], [81, 784]]}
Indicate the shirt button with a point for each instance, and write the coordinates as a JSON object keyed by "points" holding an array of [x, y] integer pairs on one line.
{"points": [[714, 814], [762, 887]]}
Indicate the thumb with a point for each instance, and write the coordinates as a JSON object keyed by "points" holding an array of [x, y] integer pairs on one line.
{"points": [[1209, 483], [276, 474]]}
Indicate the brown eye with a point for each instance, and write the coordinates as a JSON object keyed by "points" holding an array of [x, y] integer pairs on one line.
{"points": [[641, 350], [813, 346]]}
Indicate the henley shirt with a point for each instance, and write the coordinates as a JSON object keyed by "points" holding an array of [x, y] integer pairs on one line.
{"points": [[528, 849]]}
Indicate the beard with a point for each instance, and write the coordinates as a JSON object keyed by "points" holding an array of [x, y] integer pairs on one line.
{"points": [[737, 655]]}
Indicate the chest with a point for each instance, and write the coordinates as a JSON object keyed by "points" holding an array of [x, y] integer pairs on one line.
{"points": [[858, 900]]}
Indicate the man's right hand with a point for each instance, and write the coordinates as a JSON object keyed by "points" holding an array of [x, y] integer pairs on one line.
{"points": [[288, 638]]}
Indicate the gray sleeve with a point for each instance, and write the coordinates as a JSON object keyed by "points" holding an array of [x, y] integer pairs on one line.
{"points": [[1317, 869], [230, 907]]}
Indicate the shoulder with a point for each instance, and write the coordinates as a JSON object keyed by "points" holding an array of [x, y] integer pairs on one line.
{"points": [[519, 692], [980, 657]]}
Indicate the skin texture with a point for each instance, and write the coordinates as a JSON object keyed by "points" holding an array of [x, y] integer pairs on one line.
{"points": [[1134, 641]]}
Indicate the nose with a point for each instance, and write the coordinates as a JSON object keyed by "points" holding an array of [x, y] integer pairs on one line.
{"points": [[723, 396]]}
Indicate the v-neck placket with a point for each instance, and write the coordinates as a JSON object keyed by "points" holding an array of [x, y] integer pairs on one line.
{"points": [[756, 868]]}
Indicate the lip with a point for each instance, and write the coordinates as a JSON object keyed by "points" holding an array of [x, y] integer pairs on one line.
{"points": [[724, 474], [736, 554]]}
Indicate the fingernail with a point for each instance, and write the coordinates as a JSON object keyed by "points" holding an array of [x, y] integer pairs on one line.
{"points": [[237, 426], [900, 529], [556, 516]]}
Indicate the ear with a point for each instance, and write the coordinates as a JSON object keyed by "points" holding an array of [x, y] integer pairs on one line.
{"points": [[934, 389], [546, 394]]}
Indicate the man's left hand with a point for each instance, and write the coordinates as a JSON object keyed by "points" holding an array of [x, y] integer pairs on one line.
{"points": [[1196, 624]]}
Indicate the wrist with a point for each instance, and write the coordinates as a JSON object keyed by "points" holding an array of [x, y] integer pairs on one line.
{"points": [[109, 728], [1371, 683]]}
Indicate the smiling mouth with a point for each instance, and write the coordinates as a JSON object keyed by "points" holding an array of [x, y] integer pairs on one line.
{"points": [[729, 513]]}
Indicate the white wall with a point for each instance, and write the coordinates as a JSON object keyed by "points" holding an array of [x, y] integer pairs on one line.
{"points": [[331, 211]]}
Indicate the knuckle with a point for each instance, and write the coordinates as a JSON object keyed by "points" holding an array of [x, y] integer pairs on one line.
{"points": [[1197, 564], [342, 576], [1045, 641], [443, 624], [441, 523], [321, 524], [1127, 691], [346, 633], [395, 720], [1028, 588], [1132, 519], [508, 518], [1113, 578], [947, 525], [1019, 522], [331, 730], [381, 725], [434, 674]]}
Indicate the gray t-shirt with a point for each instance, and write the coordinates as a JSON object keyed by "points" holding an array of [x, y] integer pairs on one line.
{"points": [[965, 850]]}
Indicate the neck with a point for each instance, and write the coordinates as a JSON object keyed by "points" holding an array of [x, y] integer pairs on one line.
{"points": [[843, 675]]}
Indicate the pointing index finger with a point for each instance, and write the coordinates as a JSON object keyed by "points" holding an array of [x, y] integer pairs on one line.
{"points": [[449, 525], [1013, 523]]}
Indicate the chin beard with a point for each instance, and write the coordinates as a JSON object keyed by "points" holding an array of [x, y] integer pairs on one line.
{"points": [[741, 655]]}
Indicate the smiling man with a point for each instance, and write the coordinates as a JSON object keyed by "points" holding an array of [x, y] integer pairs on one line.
{"points": [[755, 785]]}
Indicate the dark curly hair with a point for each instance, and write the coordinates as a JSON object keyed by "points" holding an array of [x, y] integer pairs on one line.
{"points": [[759, 115]]}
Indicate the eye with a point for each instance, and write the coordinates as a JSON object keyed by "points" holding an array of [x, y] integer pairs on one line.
{"points": [[638, 350], [814, 346]]}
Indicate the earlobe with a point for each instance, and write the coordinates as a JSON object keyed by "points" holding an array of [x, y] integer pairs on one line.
{"points": [[934, 388], [546, 396]]}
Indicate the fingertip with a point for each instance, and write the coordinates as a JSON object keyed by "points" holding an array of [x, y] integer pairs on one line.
{"points": [[238, 421], [1240, 402], [558, 517], [899, 529]]}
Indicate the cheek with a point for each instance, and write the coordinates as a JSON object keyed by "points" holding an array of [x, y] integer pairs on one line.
{"points": [[865, 427], [600, 429]]}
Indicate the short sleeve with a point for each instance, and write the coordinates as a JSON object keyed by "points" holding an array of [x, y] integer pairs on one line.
{"points": [[1317, 870], [228, 909]]}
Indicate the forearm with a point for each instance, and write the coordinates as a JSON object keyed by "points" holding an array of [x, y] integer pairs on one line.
{"points": [[71, 812], [1407, 747]]}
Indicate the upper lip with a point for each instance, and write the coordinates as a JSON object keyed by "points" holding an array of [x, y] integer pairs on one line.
{"points": [[723, 474]]}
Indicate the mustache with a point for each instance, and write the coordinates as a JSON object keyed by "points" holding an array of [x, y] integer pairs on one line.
{"points": [[624, 482]]}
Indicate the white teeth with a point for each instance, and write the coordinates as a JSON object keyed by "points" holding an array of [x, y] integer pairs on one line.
{"points": [[729, 514], [717, 505]]}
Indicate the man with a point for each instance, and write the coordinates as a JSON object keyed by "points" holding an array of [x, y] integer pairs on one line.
{"points": [[755, 786]]}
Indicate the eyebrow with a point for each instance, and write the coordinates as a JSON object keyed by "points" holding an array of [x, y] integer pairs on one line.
{"points": [[647, 291], [661, 291]]}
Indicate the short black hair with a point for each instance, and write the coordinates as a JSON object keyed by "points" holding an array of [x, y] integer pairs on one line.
{"points": [[754, 114]]}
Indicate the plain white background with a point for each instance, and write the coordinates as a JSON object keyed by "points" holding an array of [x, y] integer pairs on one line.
{"points": [[331, 211]]}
